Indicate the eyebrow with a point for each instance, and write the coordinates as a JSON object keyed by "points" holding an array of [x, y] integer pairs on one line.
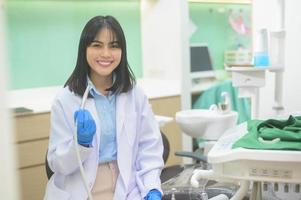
{"points": [[96, 41]]}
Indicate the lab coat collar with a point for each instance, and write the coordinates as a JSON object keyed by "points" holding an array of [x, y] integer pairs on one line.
{"points": [[93, 91]]}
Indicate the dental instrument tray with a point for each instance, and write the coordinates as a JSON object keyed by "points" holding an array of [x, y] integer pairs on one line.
{"points": [[253, 164]]}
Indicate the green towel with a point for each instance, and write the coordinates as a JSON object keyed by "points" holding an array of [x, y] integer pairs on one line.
{"points": [[262, 133]]}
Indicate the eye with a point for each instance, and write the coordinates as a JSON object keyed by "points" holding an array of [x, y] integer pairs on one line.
{"points": [[115, 45], [95, 44]]}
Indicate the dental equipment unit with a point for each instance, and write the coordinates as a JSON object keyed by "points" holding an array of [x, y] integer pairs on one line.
{"points": [[208, 124], [241, 165], [246, 165]]}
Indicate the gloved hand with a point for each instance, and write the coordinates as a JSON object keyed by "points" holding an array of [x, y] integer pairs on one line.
{"points": [[86, 127], [154, 194]]}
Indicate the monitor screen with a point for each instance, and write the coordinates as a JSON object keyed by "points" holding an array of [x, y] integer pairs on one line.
{"points": [[200, 61]]}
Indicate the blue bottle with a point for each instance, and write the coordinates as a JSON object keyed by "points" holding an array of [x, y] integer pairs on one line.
{"points": [[261, 59], [261, 55]]}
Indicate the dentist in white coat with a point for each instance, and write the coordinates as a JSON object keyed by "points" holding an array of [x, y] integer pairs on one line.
{"points": [[118, 137]]}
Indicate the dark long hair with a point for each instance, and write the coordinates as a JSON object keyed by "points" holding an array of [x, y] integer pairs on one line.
{"points": [[125, 78]]}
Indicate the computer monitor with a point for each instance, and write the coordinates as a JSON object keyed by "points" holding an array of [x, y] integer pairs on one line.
{"points": [[200, 61]]}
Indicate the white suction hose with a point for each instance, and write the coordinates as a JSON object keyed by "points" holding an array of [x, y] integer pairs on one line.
{"points": [[206, 174], [242, 191], [198, 174], [209, 174], [85, 96]]}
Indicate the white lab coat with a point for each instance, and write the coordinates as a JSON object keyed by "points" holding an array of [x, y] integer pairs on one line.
{"points": [[139, 148]]}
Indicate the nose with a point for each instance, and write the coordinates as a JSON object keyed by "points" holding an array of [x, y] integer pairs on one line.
{"points": [[105, 52]]}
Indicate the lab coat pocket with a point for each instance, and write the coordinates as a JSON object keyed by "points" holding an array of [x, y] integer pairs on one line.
{"points": [[54, 191], [131, 128]]}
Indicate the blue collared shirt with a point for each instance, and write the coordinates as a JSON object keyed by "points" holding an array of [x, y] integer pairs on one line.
{"points": [[106, 110]]}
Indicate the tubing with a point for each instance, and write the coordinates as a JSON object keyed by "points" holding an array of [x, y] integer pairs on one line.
{"points": [[242, 191], [209, 174], [198, 174], [85, 96]]}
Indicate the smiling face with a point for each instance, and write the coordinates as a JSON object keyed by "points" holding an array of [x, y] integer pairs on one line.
{"points": [[103, 56]]}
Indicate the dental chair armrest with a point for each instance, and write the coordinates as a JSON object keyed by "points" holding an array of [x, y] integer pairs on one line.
{"points": [[194, 155]]}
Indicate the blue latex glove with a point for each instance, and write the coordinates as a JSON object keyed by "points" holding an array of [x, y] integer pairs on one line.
{"points": [[153, 195], [86, 127]]}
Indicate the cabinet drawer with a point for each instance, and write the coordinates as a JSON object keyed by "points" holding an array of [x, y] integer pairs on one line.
{"points": [[248, 78], [32, 153], [32, 127], [33, 183]]}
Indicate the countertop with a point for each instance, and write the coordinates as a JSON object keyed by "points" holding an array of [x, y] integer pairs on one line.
{"points": [[39, 100]]}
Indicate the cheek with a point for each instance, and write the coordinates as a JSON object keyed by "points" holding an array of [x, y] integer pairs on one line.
{"points": [[89, 56], [118, 56]]}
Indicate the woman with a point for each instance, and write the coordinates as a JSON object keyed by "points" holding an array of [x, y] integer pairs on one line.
{"points": [[118, 138]]}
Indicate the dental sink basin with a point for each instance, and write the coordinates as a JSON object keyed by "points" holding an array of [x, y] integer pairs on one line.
{"points": [[207, 124]]}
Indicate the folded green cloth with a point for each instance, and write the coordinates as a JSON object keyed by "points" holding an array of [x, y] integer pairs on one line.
{"points": [[272, 134]]}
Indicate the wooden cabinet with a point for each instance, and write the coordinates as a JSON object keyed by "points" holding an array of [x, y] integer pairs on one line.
{"points": [[32, 132], [32, 135], [33, 182]]}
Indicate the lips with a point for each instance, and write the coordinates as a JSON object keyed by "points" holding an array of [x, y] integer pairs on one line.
{"points": [[104, 63]]}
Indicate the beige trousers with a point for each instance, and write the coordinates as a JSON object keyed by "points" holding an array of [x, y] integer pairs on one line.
{"points": [[105, 182]]}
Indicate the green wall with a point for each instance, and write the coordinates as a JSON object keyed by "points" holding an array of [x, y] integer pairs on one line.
{"points": [[213, 28], [43, 37]]}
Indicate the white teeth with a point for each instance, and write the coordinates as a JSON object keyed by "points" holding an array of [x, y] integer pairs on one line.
{"points": [[104, 62]]}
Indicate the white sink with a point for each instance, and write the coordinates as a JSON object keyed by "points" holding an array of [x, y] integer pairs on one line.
{"points": [[207, 124]]}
